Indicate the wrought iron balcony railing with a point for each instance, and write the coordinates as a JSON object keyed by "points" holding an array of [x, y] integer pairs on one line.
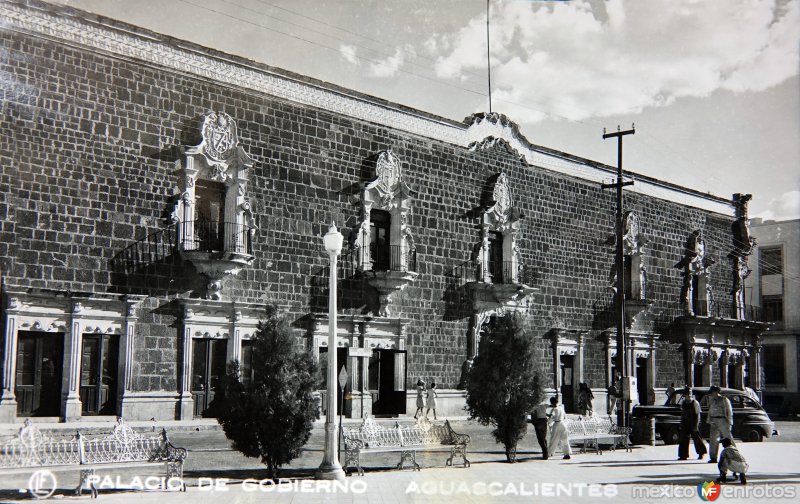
{"points": [[216, 236], [393, 258], [499, 273]]}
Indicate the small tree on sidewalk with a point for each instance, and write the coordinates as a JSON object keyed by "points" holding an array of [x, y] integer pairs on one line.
{"points": [[271, 416], [504, 384]]}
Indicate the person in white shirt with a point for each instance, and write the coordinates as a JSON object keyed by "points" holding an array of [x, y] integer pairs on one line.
{"points": [[559, 437], [720, 421]]}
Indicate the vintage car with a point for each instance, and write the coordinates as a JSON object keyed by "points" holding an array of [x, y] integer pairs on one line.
{"points": [[750, 421]]}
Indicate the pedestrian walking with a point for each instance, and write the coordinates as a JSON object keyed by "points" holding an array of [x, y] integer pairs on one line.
{"points": [[720, 421], [670, 394], [585, 398], [539, 418], [420, 398], [559, 437], [615, 395], [732, 459], [690, 427], [432, 395]]}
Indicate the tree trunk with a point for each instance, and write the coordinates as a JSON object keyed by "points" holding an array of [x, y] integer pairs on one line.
{"points": [[511, 452]]}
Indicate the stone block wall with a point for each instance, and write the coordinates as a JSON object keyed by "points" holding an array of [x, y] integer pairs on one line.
{"points": [[90, 162]]}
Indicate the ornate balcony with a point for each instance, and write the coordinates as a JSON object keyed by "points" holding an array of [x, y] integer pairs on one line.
{"points": [[216, 249], [496, 285], [392, 269]]}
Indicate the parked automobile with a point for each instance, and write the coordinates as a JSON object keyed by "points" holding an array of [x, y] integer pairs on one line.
{"points": [[750, 421]]}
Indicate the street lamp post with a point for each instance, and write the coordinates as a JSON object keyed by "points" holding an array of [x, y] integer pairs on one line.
{"points": [[331, 469]]}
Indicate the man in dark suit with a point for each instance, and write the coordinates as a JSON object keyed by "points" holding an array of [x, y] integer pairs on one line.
{"points": [[539, 419], [690, 427]]}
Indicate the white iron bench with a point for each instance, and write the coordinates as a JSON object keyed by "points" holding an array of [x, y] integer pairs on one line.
{"points": [[124, 447], [595, 430], [424, 435]]}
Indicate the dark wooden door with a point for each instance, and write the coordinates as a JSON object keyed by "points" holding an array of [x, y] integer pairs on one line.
{"points": [[209, 358], [392, 375], [38, 373], [567, 383], [99, 373]]}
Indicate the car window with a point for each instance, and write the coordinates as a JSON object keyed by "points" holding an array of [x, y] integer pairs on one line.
{"points": [[704, 401], [749, 403], [736, 401]]}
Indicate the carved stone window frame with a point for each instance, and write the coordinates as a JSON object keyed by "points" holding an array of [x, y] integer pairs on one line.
{"points": [[202, 319], [499, 215], [388, 192], [220, 158]]}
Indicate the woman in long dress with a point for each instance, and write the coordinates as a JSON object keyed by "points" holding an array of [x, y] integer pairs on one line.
{"points": [[431, 400], [420, 398], [559, 438]]}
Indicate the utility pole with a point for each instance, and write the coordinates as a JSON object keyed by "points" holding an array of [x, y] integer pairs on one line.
{"points": [[622, 350], [488, 57]]}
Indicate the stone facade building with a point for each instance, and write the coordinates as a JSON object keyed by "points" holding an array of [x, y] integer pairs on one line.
{"points": [[156, 195]]}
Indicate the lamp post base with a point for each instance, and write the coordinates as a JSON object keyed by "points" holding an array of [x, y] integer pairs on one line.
{"points": [[328, 471], [330, 468]]}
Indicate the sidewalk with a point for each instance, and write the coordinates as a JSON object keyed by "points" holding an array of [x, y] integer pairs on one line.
{"points": [[612, 476]]}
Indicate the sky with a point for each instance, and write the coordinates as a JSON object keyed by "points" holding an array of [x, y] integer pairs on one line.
{"points": [[711, 85]]}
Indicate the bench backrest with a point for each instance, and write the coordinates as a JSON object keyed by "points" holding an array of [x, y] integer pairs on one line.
{"points": [[31, 448], [422, 433]]}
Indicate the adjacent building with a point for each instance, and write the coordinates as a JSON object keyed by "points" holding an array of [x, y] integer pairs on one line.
{"points": [[774, 286], [156, 195]]}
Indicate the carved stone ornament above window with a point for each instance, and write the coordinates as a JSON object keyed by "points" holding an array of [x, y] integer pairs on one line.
{"points": [[215, 221], [495, 275], [385, 244]]}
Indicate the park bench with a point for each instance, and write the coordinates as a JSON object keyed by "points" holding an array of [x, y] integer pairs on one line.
{"points": [[123, 447], [424, 435], [594, 431]]}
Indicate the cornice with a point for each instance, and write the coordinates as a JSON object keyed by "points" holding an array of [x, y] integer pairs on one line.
{"points": [[100, 35]]}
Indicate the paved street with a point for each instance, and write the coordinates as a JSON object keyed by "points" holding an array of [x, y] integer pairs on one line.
{"points": [[215, 473]]}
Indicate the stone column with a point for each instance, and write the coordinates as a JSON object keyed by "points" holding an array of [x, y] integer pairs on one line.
{"points": [[723, 366], [127, 351], [71, 409], [235, 340], [186, 408], [8, 402]]}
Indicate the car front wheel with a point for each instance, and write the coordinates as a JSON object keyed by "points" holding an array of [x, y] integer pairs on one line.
{"points": [[671, 436], [754, 436]]}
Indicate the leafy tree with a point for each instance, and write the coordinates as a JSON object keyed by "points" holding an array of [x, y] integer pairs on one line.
{"points": [[272, 415], [504, 384]]}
